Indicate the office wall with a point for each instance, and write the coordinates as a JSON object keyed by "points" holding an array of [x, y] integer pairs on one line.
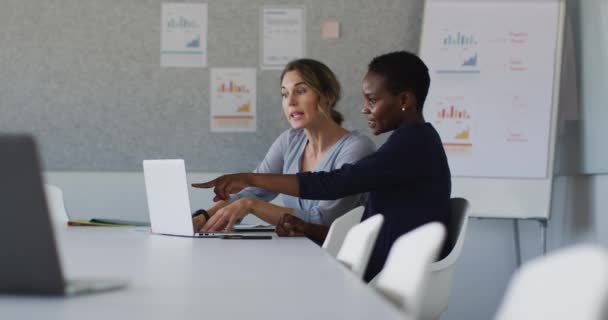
{"points": [[590, 23], [85, 77]]}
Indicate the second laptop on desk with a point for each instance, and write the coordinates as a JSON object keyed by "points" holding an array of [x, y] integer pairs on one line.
{"points": [[169, 202]]}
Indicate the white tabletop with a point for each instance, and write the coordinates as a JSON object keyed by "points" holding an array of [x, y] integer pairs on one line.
{"points": [[188, 278]]}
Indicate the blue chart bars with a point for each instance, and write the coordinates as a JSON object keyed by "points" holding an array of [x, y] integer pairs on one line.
{"points": [[459, 40]]}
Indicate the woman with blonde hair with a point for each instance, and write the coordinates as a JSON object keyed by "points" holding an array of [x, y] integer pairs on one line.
{"points": [[315, 142]]}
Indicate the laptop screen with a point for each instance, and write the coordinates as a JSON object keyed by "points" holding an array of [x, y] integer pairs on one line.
{"points": [[168, 197], [28, 253]]}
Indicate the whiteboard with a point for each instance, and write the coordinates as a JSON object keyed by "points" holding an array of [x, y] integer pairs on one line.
{"points": [[494, 68]]}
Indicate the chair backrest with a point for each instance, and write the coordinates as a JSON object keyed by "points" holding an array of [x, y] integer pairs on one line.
{"points": [[358, 244], [456, 227], [339, 228], [54, 199], [571, 283], [403, 279], [442, 271]]}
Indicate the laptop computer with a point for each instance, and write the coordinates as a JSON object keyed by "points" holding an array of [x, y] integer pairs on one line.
{"points": [[169, 200], [29, 258]]}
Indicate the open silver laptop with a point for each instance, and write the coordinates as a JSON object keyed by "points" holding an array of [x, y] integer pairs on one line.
{"points": [[29, 257], [169, 199]]}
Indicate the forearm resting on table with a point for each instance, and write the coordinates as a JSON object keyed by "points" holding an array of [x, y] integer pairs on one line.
{"points": [[317, 232], [267, 211]]}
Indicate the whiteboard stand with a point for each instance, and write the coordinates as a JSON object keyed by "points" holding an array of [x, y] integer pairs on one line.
{"points": [[543, 223], [543, 238], [568, 110], [503, 163]]}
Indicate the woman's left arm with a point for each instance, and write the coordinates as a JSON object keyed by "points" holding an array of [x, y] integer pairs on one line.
{"points": [[226, 217]]}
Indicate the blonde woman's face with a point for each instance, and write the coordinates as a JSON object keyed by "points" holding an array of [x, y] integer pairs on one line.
{"points": [[299, 101]]}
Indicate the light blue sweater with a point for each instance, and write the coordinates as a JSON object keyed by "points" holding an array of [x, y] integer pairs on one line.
{"points": [[284, 156]]}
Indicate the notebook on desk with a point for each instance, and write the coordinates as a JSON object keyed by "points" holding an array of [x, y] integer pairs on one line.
{"points": [[28, 252], [169, 201]]}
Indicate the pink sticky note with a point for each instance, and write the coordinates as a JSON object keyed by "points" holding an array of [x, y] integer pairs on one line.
{"points": [[330, 29]]}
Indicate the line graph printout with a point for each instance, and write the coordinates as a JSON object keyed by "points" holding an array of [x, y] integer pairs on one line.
{"points": [[491, 92]]}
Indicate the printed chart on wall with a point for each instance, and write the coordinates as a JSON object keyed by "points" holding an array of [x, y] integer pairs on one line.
{"points": [[491, 96], [233, 99], [282, 36], [184, 35]]}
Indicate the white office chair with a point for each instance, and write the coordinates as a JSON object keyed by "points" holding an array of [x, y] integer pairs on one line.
{"points": [[569, 284], [403, 280], [54, 200], [339, 228], [442, 271], [358, 244]]}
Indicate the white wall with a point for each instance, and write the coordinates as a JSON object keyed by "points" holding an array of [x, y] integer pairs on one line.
{"points": [[119, 195], [116, 194]]}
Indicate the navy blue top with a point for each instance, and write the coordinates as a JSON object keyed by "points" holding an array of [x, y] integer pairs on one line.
{"points": [[408, 180]]}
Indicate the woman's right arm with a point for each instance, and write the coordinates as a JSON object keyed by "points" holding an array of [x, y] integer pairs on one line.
{"points": [[397, 160], [272, 163]]}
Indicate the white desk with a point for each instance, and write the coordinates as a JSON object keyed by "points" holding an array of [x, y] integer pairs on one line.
{"points": [[185, 278]]}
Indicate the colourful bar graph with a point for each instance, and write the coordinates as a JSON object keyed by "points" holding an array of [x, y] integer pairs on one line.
{"points": [[453, 113], [232, 87]]}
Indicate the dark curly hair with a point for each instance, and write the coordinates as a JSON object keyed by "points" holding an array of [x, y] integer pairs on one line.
{"points": [[403, 71]]}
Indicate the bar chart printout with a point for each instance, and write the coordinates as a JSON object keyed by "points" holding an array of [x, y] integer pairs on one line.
{"points": [[452, 117], [183, 35], [233, 98], [458, 53]]}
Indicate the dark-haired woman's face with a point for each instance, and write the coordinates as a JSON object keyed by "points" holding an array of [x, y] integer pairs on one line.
{"points": [[381, 108]]}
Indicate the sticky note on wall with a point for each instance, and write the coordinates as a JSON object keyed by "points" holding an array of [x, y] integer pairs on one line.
{"points": [[330, 29]]}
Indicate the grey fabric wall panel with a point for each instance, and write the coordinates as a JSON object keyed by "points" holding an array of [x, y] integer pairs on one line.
{"points": [[85, 77]]}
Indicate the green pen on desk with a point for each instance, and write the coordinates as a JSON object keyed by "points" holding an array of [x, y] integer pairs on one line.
{"points": [[120, 222]]}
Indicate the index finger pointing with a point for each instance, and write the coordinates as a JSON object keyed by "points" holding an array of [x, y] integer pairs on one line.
{"points": [[208, 184]]}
